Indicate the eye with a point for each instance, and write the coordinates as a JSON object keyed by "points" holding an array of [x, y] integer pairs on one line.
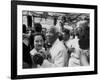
{"points": [[36, 41]]}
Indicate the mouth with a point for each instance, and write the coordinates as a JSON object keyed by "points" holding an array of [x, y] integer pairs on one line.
{"points": [[48, 37], [39, 46]]}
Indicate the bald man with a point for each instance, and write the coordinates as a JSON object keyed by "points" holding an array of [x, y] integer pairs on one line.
{"points": [[58, 52]]}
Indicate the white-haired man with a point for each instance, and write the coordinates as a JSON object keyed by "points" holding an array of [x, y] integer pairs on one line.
{"points": [[58, 52]]}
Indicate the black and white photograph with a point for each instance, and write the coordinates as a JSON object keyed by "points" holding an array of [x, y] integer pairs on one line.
{"points": [[53, 40]]}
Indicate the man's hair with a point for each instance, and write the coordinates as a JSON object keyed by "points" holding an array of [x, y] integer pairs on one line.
{"points": [[24, 28], [38, 27], [66, 31], [53, 29]]}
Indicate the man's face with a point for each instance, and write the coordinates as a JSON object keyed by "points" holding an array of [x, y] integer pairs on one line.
{"points": [[50, 35], [38, 42], [81, 31], [65, 36]]}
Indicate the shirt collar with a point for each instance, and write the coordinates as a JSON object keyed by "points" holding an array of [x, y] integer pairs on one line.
{"points": [[55, 43], [33, 51]]}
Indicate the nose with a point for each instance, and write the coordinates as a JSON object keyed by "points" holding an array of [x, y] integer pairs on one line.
{"points": [[40, 43], [47, 34]]}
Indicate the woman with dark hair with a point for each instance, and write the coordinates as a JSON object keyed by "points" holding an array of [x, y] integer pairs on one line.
{"points": [[84, 46], [37, 29], [38, 52]]}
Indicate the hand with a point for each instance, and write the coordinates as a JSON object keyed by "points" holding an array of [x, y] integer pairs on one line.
{"points": [[43, 54]]}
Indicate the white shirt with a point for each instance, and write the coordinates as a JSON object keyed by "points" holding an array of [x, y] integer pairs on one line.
{"points": [[58, 54], [74, 59], [34, 51]]}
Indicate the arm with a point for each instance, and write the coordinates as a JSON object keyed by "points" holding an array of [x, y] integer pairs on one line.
{"points": [[84, 60], [62, 59]]}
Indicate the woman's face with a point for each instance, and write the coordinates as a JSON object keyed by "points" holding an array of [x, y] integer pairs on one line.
{"points": [[38, 42]]}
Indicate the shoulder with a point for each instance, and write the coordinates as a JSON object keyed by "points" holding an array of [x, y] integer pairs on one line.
{"points": [[60, 46]]}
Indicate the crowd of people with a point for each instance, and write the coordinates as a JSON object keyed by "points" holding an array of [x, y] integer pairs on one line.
{"points": [[57, 46]]}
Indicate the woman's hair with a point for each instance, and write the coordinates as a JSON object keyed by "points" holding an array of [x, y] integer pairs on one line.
{"points": [[33, 36], [84, 43], [84, 40]]}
